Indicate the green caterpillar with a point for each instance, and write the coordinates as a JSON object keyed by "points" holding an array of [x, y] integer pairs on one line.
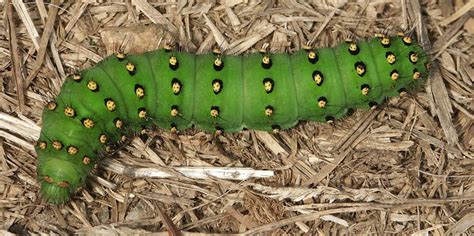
{"points": [[122, 95]]}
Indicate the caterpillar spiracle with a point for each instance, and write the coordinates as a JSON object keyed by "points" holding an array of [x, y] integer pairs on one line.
{"points": [[124, 94]]}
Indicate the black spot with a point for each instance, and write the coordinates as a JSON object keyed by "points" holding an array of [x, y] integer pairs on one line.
{"points": [[215, 108], [74, 110], [386, 45], [329, 118], [138, 86], [393, 72], [220, 129], [52, 106], [143, 134], [77, 78], [268, 80], [315, 59], [141, 109], [175, 66], [409, 57], [387, 54], [350, 111], [416, 74], [120, 56], [116, 119], [176, 81], [132, 72], [322, 99], [364, 86], [354, 52], [221, 85], [267, 65], [96, 89], [269, 107], [109, 100], [173, 125], [407, 43], [276, 127], [415, 70], [315, 73], [218, 67], [402, 90], [372, 104], [362, 66], [174, 111], [83, 120]]}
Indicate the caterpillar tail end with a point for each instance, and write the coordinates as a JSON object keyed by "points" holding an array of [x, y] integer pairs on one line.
{"points": [[59, 179], [54, 194]]}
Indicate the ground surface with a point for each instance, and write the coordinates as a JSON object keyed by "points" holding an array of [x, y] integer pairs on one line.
{"points": [[405, 168]]}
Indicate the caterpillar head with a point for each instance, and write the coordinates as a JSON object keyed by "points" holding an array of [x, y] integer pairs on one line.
{"points": [[59, 178]]}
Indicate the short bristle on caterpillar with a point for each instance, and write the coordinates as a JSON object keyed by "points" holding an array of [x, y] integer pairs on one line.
{"points": [[99, 108]]}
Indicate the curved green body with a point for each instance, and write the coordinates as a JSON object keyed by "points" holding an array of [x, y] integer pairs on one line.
{"points": [[242, 101]]}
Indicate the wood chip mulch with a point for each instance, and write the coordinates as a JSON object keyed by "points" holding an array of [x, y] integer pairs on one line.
{"points": [[406, 168]]}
